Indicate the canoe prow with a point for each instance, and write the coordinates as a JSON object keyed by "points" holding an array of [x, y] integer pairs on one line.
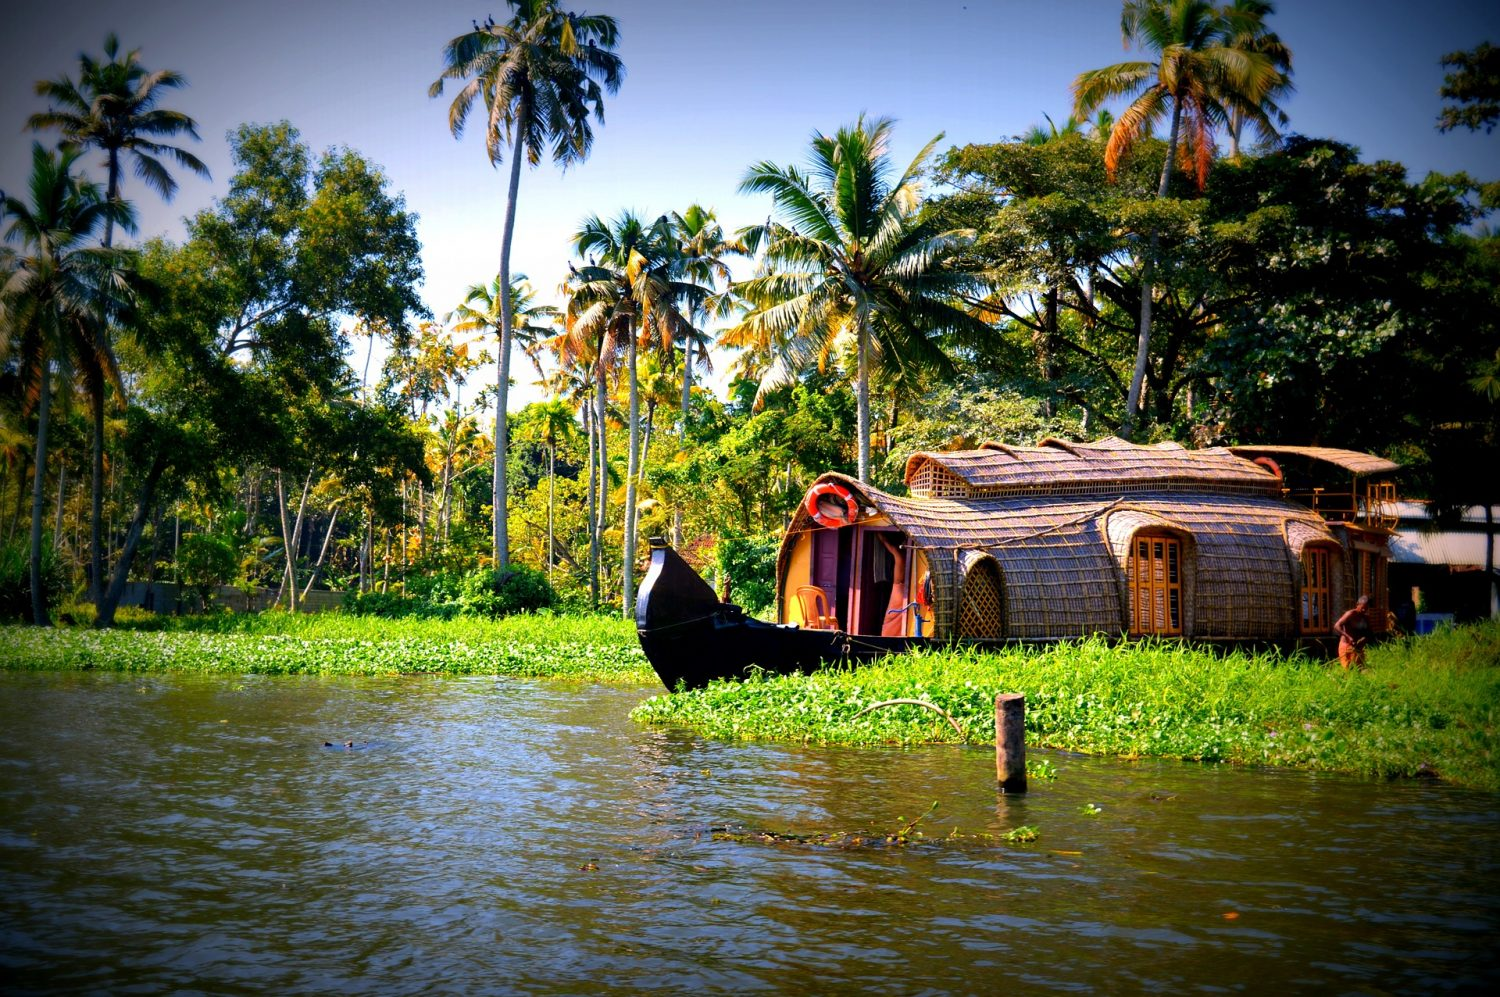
{"points": [[691, 637]]}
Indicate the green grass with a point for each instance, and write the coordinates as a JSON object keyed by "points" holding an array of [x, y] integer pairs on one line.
{"points": [[588, 648], [1425, 706]]}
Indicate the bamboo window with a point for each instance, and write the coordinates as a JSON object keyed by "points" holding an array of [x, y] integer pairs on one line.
{"points": [[981, 610], [1155, 584], [1317, 590]]}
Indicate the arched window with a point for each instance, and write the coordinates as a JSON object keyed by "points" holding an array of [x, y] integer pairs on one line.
{"points": [[1317, 589], [981, 604], [1155, 581]]}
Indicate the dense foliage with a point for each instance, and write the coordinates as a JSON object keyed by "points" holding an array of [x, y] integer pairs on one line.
{"points": [[233, 428]]}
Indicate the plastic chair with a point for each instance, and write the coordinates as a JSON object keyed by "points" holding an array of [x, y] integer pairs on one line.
{"points": [[816, 614]]}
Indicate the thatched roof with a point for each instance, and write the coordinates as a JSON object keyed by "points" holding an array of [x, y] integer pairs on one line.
{"points": [[1349, 460], [1058, 467]]}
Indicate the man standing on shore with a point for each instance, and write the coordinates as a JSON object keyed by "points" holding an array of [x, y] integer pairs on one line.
{"points": [[1353, 629]]}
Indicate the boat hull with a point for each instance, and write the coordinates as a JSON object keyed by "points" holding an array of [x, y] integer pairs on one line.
{"points": [[691, 637]]}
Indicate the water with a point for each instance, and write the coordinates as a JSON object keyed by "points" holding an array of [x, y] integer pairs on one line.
{"points": [[182, 834]]}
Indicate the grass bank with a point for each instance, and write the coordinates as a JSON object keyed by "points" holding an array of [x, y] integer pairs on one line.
{"points": [[586, 648], [1426, 706]]}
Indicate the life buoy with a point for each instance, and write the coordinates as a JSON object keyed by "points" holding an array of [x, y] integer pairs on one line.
{"points": [[832, 505], [1270, 465]]}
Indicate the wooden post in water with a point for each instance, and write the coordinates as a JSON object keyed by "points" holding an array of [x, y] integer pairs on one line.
{"points": [[1010, 742]]}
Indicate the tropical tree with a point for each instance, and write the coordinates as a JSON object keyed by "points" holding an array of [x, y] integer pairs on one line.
{"points": [[552, 422], [540, 76], [851, 257], [58, 293], [1245, 29], [703, 248], [1191, 83], [113, 108], [1473, 86], [627, 295]]}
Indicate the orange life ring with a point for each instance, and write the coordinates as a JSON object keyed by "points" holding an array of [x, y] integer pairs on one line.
{"points": [[1270, 465], [823, 505]]}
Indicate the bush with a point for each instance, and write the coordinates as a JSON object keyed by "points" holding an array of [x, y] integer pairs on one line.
{"points": [[15, 579], [446, 595], [750, 565], [386, 605], [518, 589]]}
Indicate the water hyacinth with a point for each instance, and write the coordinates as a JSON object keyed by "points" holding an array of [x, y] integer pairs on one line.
{"points": [[1426, 706], [582, 648]]}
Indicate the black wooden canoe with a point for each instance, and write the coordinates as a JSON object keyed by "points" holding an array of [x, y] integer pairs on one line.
{"points": [[691, 637]]}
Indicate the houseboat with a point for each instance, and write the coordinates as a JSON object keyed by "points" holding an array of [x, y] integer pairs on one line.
{"points": [[1062, 540]]}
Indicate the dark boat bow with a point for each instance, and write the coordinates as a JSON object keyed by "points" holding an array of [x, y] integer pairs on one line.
{"points": [[691, 637]]}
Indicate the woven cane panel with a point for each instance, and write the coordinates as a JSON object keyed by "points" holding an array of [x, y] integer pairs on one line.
{"points": [[933, 480], [981, 610]]}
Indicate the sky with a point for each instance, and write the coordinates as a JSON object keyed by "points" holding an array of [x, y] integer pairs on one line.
{"points": [[711, 87]]}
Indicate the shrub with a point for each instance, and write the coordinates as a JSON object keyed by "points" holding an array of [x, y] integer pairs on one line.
{"points": [[518, 589], [15, 579], [750, 565]]}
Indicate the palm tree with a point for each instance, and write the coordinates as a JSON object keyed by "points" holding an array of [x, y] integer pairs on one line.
{"points": [[703, 248], [540, 75], [553, 422], [58, 294], [113, 108], [1194, 77], [508, 317], [854, 259], [1245, 29], [626, 295]]}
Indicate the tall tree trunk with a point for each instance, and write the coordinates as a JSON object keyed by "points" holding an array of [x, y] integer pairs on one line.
{"points": [[1143, 339], [286, 537], [502, 383], [317, 570], [602, 427], [112, 194], [57, 526], [633, 461], [96, 499], [551, 503], [1046, 348], [863, 393], [687, 400], [593, 556], [143, 505], [39, 499]]}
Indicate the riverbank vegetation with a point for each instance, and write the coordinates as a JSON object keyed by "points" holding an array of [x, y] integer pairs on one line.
{"points": [[1426, 706], [583, 648]]}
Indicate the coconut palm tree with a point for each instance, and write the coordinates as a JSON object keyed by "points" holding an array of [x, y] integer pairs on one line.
{"points": [[113, 108], [851, 257], [58, 295], [1190, 84], [626, 294], [1245, 29], [540, 76], [703, 248], [552, 423], [509, 318]]}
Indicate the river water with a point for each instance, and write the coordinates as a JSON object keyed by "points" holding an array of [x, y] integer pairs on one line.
{"points": [[183, 834]]}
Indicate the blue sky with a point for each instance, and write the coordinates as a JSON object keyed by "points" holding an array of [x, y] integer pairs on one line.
{"points": [[711, 87]]}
